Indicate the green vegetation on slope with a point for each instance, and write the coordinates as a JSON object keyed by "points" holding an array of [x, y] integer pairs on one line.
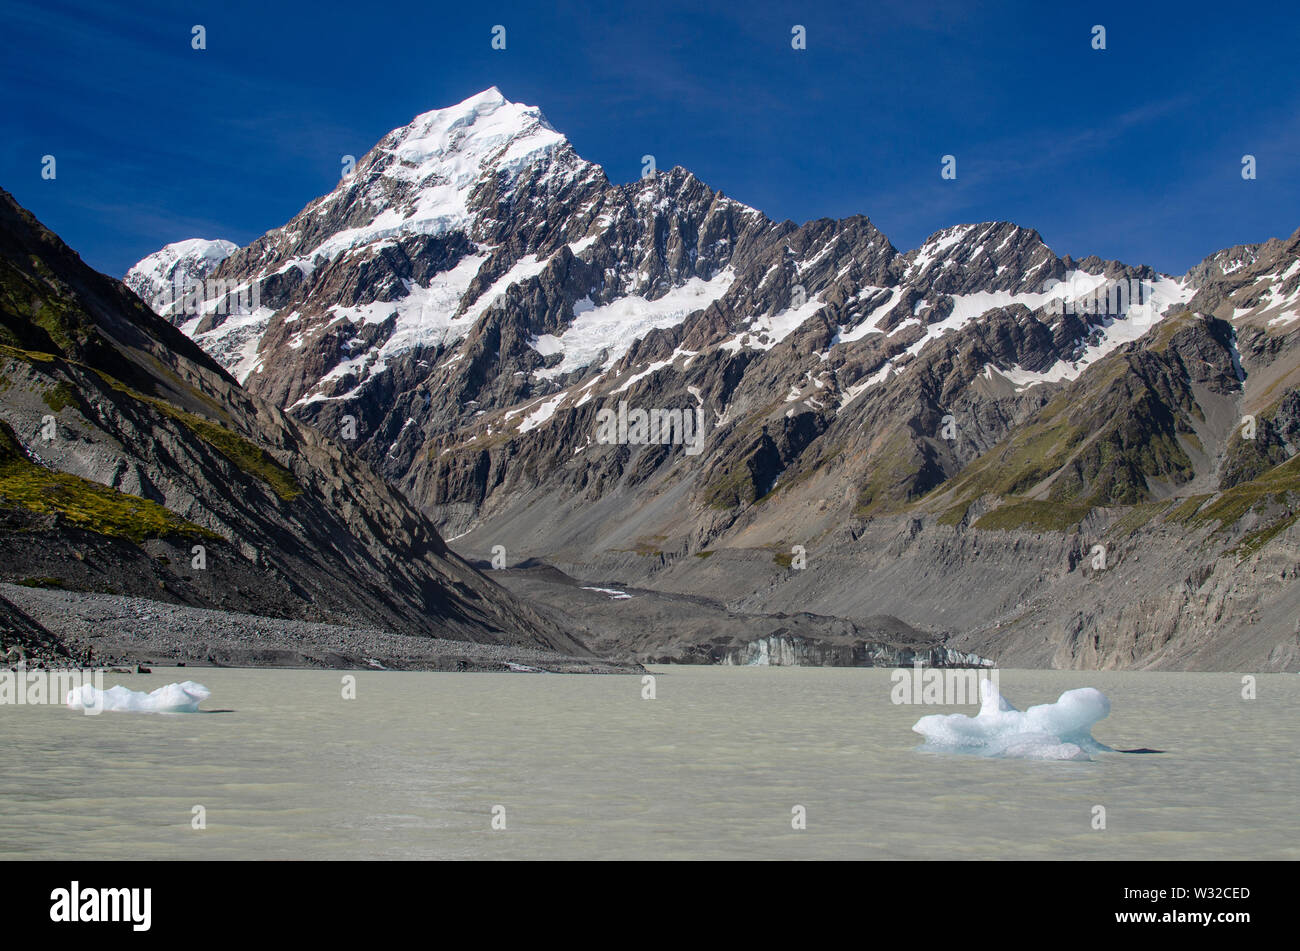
{"points": [[85, 504], [248, 456], [244, 453], [1033, 515], [1096, 443], [1276, 487], [39, 313], [896, 470], [59, 396]]}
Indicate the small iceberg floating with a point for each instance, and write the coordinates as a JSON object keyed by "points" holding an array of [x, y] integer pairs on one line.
{"points": [[173, 698], [1049, 731]]}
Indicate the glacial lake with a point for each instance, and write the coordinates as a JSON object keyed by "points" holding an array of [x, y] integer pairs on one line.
{"points": [[584, 768]]}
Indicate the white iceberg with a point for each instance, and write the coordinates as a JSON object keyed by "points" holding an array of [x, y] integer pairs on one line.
{"points": [[1052, 731], [173, 698]]}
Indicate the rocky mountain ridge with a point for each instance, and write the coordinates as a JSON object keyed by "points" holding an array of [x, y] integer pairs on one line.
{"points": [[132, 464], [474, 295]]}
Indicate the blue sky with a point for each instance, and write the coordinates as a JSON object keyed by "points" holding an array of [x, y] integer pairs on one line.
{"points": [[1133, 152]]}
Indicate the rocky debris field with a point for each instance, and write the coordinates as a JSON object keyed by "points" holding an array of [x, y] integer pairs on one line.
{"points": [[120, 630], [638, 624]]}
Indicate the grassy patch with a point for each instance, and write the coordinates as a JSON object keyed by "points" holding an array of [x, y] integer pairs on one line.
{"points": [[59, 396], [1261, 537], [82, 503], [1187, 509], [1138, 516], [45, 311], [1099, 442], [27, 356], [1019, 463], [892, 476], [1274, 487], [244, 453], [735, 487], [1034, 516], [954, 515], [248, 456]]}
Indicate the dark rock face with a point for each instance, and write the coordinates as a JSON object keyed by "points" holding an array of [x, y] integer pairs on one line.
{"points": [[25, 641], [1277, 439], [473, 297]]}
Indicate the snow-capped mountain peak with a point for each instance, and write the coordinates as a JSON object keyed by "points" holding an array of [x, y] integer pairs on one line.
{"points": [[473, 277], [161, 279], [424, 178], [457, 145]]}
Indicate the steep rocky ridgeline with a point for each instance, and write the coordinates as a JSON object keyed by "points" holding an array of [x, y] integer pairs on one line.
{"points": [[474, 302]]}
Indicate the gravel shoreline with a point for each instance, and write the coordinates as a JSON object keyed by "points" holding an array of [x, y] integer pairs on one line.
{"points": [[128, 630]]}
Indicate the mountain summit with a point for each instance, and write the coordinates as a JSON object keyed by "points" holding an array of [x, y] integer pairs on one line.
{"points": [[475, 295]]}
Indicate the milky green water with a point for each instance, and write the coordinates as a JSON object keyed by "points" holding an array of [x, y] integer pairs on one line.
{"points": [[585, 768]]}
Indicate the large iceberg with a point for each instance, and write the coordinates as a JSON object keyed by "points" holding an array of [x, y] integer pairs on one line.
{"points": [[1055, 731], [173, 698]]}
